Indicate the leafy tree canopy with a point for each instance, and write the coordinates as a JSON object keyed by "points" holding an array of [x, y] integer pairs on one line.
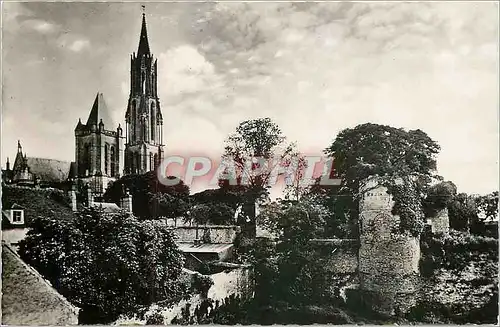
{"points": [[150, 198], [258, 138], [390, 153], [106, 264]]}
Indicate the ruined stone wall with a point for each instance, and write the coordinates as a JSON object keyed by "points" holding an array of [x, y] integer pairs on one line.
{"points": [[440, 222], [218, 233], [234, 282], [388, 260]]}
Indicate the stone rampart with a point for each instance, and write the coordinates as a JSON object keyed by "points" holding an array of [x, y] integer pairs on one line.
{"points": [[388, 259]]}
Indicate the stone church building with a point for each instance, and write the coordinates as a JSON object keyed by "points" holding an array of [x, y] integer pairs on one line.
{"points": [[104, 151]]}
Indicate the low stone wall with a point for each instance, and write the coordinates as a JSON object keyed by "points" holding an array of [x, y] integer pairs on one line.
{"points": [[217, 233]]}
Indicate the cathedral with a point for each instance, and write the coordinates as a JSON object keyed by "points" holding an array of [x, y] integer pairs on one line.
{"points": [[104, 150]]}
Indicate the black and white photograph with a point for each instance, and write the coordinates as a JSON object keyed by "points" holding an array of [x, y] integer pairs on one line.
{"points": [[249, 163]]}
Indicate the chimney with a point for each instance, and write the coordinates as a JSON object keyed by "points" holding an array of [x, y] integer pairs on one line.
{"points": [[90, 197], [8, 164], [126, 202], [73, 198]]}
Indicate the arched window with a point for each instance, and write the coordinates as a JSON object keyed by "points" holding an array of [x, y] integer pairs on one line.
{"points": [[143, 125], [143, 83], [153, 121], [86, 159], [113, 161], [106, 160], [133, 120], [139, 163]]}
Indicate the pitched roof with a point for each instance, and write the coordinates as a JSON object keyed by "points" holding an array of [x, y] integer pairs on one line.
{"points": [[37, 202], [100, 111], [28, 299], [143, 41], [49, 170]]}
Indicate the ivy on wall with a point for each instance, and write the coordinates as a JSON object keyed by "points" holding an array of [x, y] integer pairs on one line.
{"points": [[407, 205]]}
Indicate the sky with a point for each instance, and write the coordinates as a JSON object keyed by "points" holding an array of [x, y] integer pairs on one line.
{"points": [[314, 68]]}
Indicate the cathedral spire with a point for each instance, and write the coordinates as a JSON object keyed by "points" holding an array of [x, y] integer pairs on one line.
{"points": [[143, 41]]}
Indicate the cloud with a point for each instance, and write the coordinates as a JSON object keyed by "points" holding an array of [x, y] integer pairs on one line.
{"points": [[315, 68], [41, 26], [79, 45], [72, 42], [320, 68], [184, 70]]}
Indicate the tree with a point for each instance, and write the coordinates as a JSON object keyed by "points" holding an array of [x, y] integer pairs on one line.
{"points": [[488, 206], [212, 213], [150, 198], [106, 264], [291, 270], [462, 210], [390, 153], [256, 149], [439, 196], [296, 185]]}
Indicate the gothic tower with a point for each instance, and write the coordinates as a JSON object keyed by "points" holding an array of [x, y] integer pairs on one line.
{"points": [[144, 130], [99, 148]]}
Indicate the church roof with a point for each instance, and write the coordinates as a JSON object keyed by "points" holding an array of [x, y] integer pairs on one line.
{"points": [[49, 170], [28, 299], [100, 111], [143, 41]]}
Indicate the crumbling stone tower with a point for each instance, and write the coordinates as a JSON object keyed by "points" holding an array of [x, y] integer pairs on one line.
{"points": [[388, 259]]}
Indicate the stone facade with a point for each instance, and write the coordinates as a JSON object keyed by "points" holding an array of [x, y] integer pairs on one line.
{"points": [[99, 148], [388, 260]]}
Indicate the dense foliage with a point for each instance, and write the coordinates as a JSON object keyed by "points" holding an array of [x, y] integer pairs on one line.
{"points": [[150, 198], [211, 213], [471, 213], [290, 269], [390, 153], [256, 148], [105, 264], [439, 197], [461, 279]]}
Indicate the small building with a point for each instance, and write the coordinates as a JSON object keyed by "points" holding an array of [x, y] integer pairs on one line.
{"points": [[22, 204], [28, 299], [14, 227]]}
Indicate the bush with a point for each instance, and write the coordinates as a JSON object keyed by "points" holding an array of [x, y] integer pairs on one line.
{"points": [[106, 265]]}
